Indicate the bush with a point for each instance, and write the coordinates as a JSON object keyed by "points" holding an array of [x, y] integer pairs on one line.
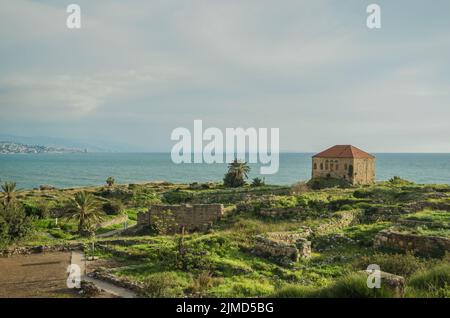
{"points": [[299, 188], [354, 286], [398, 264], [178, 196], [323, 183], [18, 224], [145, 198], [434, 282], [202, 283], [258, 182], [349, 286], [164, 285], [40, 210], [113, 207], [296, 291]]}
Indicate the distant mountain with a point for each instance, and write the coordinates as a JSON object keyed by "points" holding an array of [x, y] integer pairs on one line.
{"points": [[7, 147], [55, 142]]}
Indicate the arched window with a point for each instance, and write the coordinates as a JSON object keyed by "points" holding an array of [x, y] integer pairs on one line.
{"points": [[345, 166], [331, 166], [337, 166], [321, 166], [326, 165], [315, 166]]}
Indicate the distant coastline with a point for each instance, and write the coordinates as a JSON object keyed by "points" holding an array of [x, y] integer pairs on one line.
{"points": [[7, 148]]}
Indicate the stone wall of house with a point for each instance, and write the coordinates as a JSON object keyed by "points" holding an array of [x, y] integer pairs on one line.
{"points": [[283, 247], [191, 217], [423, 245], [341, 168]]}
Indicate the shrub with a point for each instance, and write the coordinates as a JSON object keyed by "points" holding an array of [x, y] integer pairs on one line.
{"points": [[258, 182], [354, 286], [296, 291], [323, 183], [299, 188], [145, 198], [433, 282], [40, 210], [19, 225], [178, 196], [110, 181], [164, 285], [398, 264], [113, 207], [202, 283]]}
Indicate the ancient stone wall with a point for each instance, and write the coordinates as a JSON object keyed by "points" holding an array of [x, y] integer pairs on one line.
{"points": [[423, 245], [191, 217], [338, 221], [281, 212], [283, 247]]}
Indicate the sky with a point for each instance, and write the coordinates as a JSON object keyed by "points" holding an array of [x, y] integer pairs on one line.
{"points": [[136, 70]]}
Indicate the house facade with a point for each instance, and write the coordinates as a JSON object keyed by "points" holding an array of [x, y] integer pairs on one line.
{"points": [[345, 162]]}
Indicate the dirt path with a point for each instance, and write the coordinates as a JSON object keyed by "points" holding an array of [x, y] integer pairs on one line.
{"points": [[78, 259], [35, 275]]}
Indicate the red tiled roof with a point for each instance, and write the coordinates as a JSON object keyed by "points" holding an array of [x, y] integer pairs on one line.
{"points": [[343, 151]]}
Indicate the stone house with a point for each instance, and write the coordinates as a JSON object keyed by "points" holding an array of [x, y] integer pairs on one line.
{"points": [[344, 162]]}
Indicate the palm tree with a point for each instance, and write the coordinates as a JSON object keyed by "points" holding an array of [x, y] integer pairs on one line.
{"points": [[9, 192], [110, 181], [84, 211], [237, 173]]}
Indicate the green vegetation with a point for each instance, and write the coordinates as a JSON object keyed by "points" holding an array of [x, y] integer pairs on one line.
{"points": [[220, 262], [237, 174]]}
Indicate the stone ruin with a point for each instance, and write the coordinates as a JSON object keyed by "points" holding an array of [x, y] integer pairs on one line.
{"points": [[283, 247], [196, 217], [419, 244]]}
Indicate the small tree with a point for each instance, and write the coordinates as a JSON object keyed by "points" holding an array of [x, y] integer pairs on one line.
{"points": [[258, 182], [9, 192], [237, 174], [110, 181], [84, 211]]}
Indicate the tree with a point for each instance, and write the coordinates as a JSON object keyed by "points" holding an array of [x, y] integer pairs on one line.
{"points": [[14, 223], [258, 182], [9, 192], [110, 181], [237, 173], [84, 211]]}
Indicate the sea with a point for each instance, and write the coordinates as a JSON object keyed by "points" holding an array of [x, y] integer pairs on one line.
{"points": [[71, 170]]}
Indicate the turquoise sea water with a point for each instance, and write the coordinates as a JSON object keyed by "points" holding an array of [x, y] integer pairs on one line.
{"points": [[81, 169]]}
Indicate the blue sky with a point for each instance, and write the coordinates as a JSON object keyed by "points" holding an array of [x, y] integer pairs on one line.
{"points": [[138, 69]]}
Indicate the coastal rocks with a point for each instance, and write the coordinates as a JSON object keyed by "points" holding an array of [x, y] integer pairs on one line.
{"points": [[284, 248], [419, 244]]}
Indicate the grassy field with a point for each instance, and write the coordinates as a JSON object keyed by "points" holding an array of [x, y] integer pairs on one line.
{"points": [[220, 262]]}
